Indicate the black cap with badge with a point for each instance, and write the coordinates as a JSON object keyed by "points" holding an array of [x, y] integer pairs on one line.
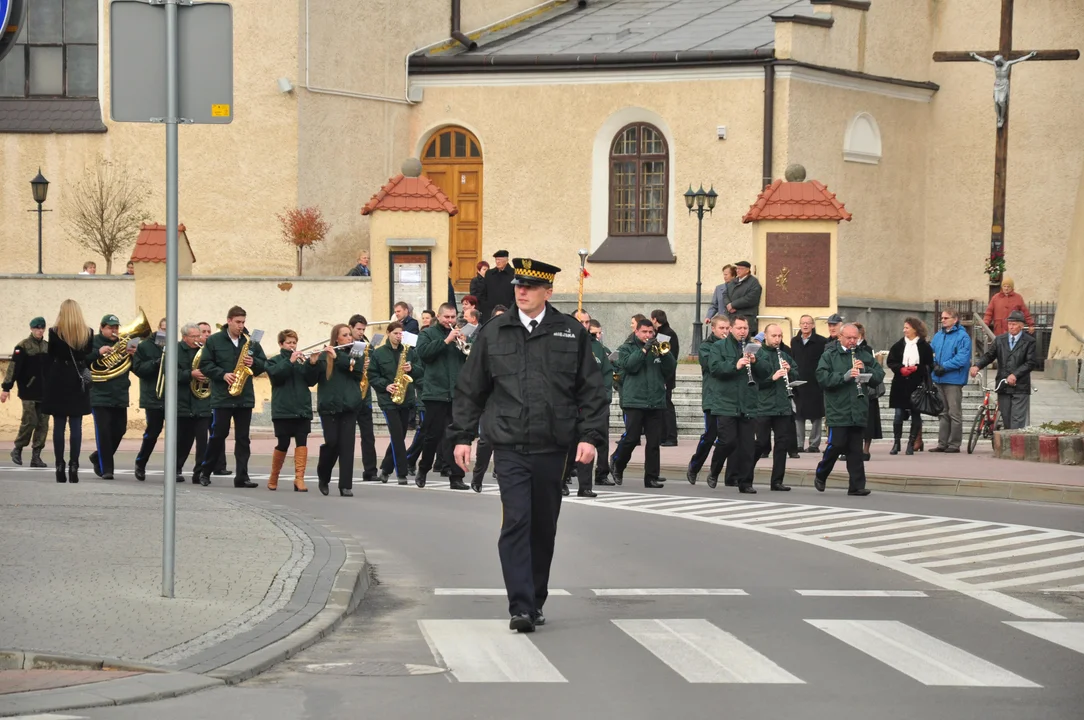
{"points": [[533, 272]]}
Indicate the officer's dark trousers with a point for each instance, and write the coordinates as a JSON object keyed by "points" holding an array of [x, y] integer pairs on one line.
{"points": [[368, 442], [848, 441], [395, 457], [530, 488], [34, 426], [220, 430], [784, 430], [109, 426], [338, 447], [155, 420], [418, 441], [736, 446], [583, 470], [437, 417], [482, 458], [707, 442], [641, 421], [670, 417], [190, 430]]}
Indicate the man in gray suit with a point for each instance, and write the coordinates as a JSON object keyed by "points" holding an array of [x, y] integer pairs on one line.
{"points": [[1015, 355], [744, 294]]}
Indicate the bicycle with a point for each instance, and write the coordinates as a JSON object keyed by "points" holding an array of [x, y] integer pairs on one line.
{"points": [[987, 419]]}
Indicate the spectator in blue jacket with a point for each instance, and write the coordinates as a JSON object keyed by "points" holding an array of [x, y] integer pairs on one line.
{"points": [[951, 358]]}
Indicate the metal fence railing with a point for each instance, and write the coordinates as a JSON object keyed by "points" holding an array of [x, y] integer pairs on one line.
{"points": [[971, 314]]}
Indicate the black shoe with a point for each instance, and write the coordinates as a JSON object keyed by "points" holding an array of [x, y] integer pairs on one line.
{"points": [[60, 476], [652, 483], [668, 443], [243, 483], [781, 487], [476, 485], [617, 475], [865, 456], [73, 472], [819, 484], [952, 450], [793, 455], [403, 481], [323, 488], [140, 473], [713, 480], [939, 449], [690, 476], [108, 476], [223, 472], [94, 464], [564, 489], [748, 489], [346, 492], [419, 479], [383, 478], [538, 618], [862, 493], [910, 450], [370, 477], [895, 448], [410, 471], [521, 623], [36, 461], [204, 480], [604, 480], [17, 455], [458, 485], [180, 477], [586, 493]]}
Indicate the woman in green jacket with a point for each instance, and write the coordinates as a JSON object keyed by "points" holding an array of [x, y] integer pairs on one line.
{"points": [[338, 399], [291, 407], [383, 368]]}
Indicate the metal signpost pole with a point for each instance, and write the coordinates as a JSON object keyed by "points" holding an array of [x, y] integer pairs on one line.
{"points": [[169, 356]]}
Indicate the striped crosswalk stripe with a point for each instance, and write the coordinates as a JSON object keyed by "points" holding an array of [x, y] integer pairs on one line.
{"points": [[484, 651], [1070, 635]]}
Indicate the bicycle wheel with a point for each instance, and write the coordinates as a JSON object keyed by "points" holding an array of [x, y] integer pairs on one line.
{"points": [[976, 431]]}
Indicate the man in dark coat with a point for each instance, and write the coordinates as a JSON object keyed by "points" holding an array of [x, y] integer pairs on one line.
{"points": [[744, 293], [108, 400], [1015, 355], [27, 368], [497, 288], [807, 349], [670, 429]]}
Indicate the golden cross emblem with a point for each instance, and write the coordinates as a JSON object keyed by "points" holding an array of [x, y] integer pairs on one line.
{"points": [[781, 279]]}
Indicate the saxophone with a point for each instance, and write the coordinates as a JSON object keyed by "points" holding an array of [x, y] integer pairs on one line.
{"points": [[242, 371], [402, 380], [365, 373], [200, 388]]}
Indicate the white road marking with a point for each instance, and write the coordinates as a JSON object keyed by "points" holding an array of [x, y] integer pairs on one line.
{"points": [[837, 514], [862, 593], [798, 518], [618, 592], [1000, 555], [1070, 635], [860, 519], [924, 532], [702, 653], [918, 655], [753, 515], [998, 543], [1020, 567], [1071, 588], [488, 591], [484, 651], [48, 717], [1034, 579], [948, 539]]}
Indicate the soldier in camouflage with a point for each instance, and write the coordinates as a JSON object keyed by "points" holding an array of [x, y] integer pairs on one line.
{"points": [[27, 369]]}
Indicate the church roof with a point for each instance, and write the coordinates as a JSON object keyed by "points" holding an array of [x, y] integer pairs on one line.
{"points": [[808, 200], [417, 194], [151, 244], [645, 26]]}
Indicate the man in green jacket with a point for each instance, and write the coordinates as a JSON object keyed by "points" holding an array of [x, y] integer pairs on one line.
{"points": [[643, 399], [27, 368], [846, 405], [720, 329], [773, 369], [358, 325], [146, 364], [108, 401], [734, 403], [218, 362], [602, 470], [438, 350], [193, 413]]}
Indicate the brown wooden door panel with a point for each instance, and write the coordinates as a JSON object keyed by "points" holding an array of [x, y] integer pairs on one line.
{"points": [[453, 161]]}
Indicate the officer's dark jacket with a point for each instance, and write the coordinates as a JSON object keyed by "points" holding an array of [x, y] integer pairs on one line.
{"points": [[705, 375], [110, 393], [443, 363], [342, 391], [145, 364], [729, 391], [290, 383], [842, 405], [773, 393], [530, 387], [219, 359], [643, 385], [383, 363], [602, 359], [188, 405], [27, 368]]}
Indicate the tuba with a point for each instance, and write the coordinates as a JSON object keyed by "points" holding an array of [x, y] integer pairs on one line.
{"points": [[106, 367], [200, 388], [402, 380]]}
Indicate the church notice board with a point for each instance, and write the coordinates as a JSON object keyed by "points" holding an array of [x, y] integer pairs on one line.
{"points": [[798, 269], [411, 278]]}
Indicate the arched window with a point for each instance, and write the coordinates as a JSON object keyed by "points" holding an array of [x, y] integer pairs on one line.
{"points": [[638, 182], [862, 141]]}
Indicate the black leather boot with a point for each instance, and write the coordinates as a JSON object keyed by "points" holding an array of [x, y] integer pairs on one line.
{"points": [[60, 477], [36, 461], [911, 437], [73, 472], [897, 433]]}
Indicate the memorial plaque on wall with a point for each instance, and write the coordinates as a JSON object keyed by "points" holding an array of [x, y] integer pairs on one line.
{"points": [[411, 278], [798, 270]]}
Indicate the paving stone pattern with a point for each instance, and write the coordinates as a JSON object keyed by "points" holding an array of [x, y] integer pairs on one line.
{"points": [[81, 568]]}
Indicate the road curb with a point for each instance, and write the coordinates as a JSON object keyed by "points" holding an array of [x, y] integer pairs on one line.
{"points": [[884, 482], [351, 582]]}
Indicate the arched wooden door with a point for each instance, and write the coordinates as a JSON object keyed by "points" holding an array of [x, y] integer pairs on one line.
{"points": [[453, 160]]}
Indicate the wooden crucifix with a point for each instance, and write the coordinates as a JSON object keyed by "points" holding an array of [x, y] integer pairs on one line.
{"points": [[1002, 59]]}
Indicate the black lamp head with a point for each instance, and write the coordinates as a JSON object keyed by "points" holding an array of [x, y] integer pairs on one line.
{"points": [[40, 187]]}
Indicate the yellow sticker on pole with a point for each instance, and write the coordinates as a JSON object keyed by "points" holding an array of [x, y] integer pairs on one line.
{"points": [[220, 111]]}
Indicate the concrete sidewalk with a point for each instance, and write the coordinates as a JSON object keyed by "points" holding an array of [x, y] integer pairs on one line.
{"points": [[80, 587]]}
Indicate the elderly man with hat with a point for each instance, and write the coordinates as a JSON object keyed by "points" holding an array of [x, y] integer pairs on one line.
{"points": [[532, 380], [497, 285], [27, 369], [744, 293], [108, 401], [1015, 355]]}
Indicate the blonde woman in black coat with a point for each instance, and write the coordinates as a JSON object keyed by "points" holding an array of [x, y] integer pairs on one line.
{"points": [[67, 392], [910, 360]]}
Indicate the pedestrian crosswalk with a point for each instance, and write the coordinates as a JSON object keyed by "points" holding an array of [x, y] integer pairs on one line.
{"points": [[701, 651]]}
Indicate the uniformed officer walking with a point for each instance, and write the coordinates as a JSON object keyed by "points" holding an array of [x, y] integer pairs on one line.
{"points": [[532, 373], [27, 369]]}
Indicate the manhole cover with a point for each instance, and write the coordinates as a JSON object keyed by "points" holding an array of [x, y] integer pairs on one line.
{"points": [[373, 668]]}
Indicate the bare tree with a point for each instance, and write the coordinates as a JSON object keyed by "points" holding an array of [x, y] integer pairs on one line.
{"points": [[105, 209]]}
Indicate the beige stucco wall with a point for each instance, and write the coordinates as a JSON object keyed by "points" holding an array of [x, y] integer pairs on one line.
{"points": [[232, 178], [1071, 300]]}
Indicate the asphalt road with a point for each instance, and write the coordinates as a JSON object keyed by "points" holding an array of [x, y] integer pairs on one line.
{"points": [[625, 637]]}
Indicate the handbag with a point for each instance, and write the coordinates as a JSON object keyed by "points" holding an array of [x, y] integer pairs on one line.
{"points": [[85, 378], [926, 398]]}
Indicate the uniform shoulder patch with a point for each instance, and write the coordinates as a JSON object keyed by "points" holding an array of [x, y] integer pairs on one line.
{"points": [[17, 350], [564, 333]]}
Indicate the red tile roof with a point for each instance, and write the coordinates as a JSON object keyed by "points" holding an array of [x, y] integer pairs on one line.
{"points": [[151, 244], [808, 200], [410, 193]]}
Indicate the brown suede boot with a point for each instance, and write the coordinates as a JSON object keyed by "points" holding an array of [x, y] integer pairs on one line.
{"points": [[301, 459], [278, 457]]}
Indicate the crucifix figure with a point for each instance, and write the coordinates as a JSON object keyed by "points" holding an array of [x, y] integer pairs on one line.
{"points": [[1002, 59]]}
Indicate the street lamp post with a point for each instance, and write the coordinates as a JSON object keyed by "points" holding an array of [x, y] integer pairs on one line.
{"points": [[39, 186], [696, 201]]}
